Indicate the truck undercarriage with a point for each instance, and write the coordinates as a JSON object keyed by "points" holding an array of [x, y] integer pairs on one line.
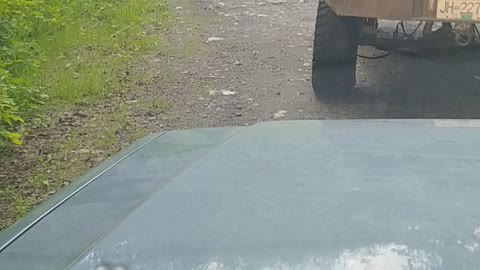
{"points": [[418, 26]]}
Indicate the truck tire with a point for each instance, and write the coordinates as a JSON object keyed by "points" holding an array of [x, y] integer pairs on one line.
{"points": [[334, 52]]}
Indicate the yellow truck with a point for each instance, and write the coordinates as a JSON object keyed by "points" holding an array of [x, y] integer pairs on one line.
{"points": [[343, 25]]}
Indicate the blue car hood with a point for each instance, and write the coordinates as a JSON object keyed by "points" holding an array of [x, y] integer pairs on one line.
{"points": [[397, 194]]}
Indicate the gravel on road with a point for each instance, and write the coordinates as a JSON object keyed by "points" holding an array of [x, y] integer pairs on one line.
{"points": [[261, 51]]}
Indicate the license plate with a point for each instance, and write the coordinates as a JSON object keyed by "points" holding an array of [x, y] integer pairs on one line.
{"points": [[458, 10]]}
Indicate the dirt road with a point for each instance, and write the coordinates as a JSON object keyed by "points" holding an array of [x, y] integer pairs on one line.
{"points": [[260, 56]]}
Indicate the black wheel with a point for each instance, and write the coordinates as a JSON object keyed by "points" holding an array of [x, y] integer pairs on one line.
{"points": [[334, 52]]}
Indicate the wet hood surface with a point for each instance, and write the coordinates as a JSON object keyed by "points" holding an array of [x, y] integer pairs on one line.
{"points": [[280, 195]]}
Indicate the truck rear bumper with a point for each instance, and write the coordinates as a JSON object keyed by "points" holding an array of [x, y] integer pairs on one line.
{"points": [[410, 10]]}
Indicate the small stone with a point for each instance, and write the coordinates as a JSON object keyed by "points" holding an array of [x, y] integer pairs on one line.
{"points": [[279, 114], [210, 39], [228, 93], [213, 92], [277, 2], [81, 151], [238, 114]]}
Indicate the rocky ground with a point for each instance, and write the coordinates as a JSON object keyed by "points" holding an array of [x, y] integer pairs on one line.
{"points": [[260, 52], [227, 63]]}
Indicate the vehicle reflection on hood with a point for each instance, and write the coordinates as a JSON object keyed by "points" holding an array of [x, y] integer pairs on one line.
{"points": [[378, 257]]}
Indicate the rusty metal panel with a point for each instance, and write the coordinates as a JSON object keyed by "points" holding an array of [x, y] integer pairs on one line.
{"points": [[385, 9], [424, 9]]}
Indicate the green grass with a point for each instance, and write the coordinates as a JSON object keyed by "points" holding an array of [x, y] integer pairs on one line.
{"points": [[67, 51], [6, 151], [20, 204], [86, 59], [157, 103], [40, 181], [82, 57]]}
